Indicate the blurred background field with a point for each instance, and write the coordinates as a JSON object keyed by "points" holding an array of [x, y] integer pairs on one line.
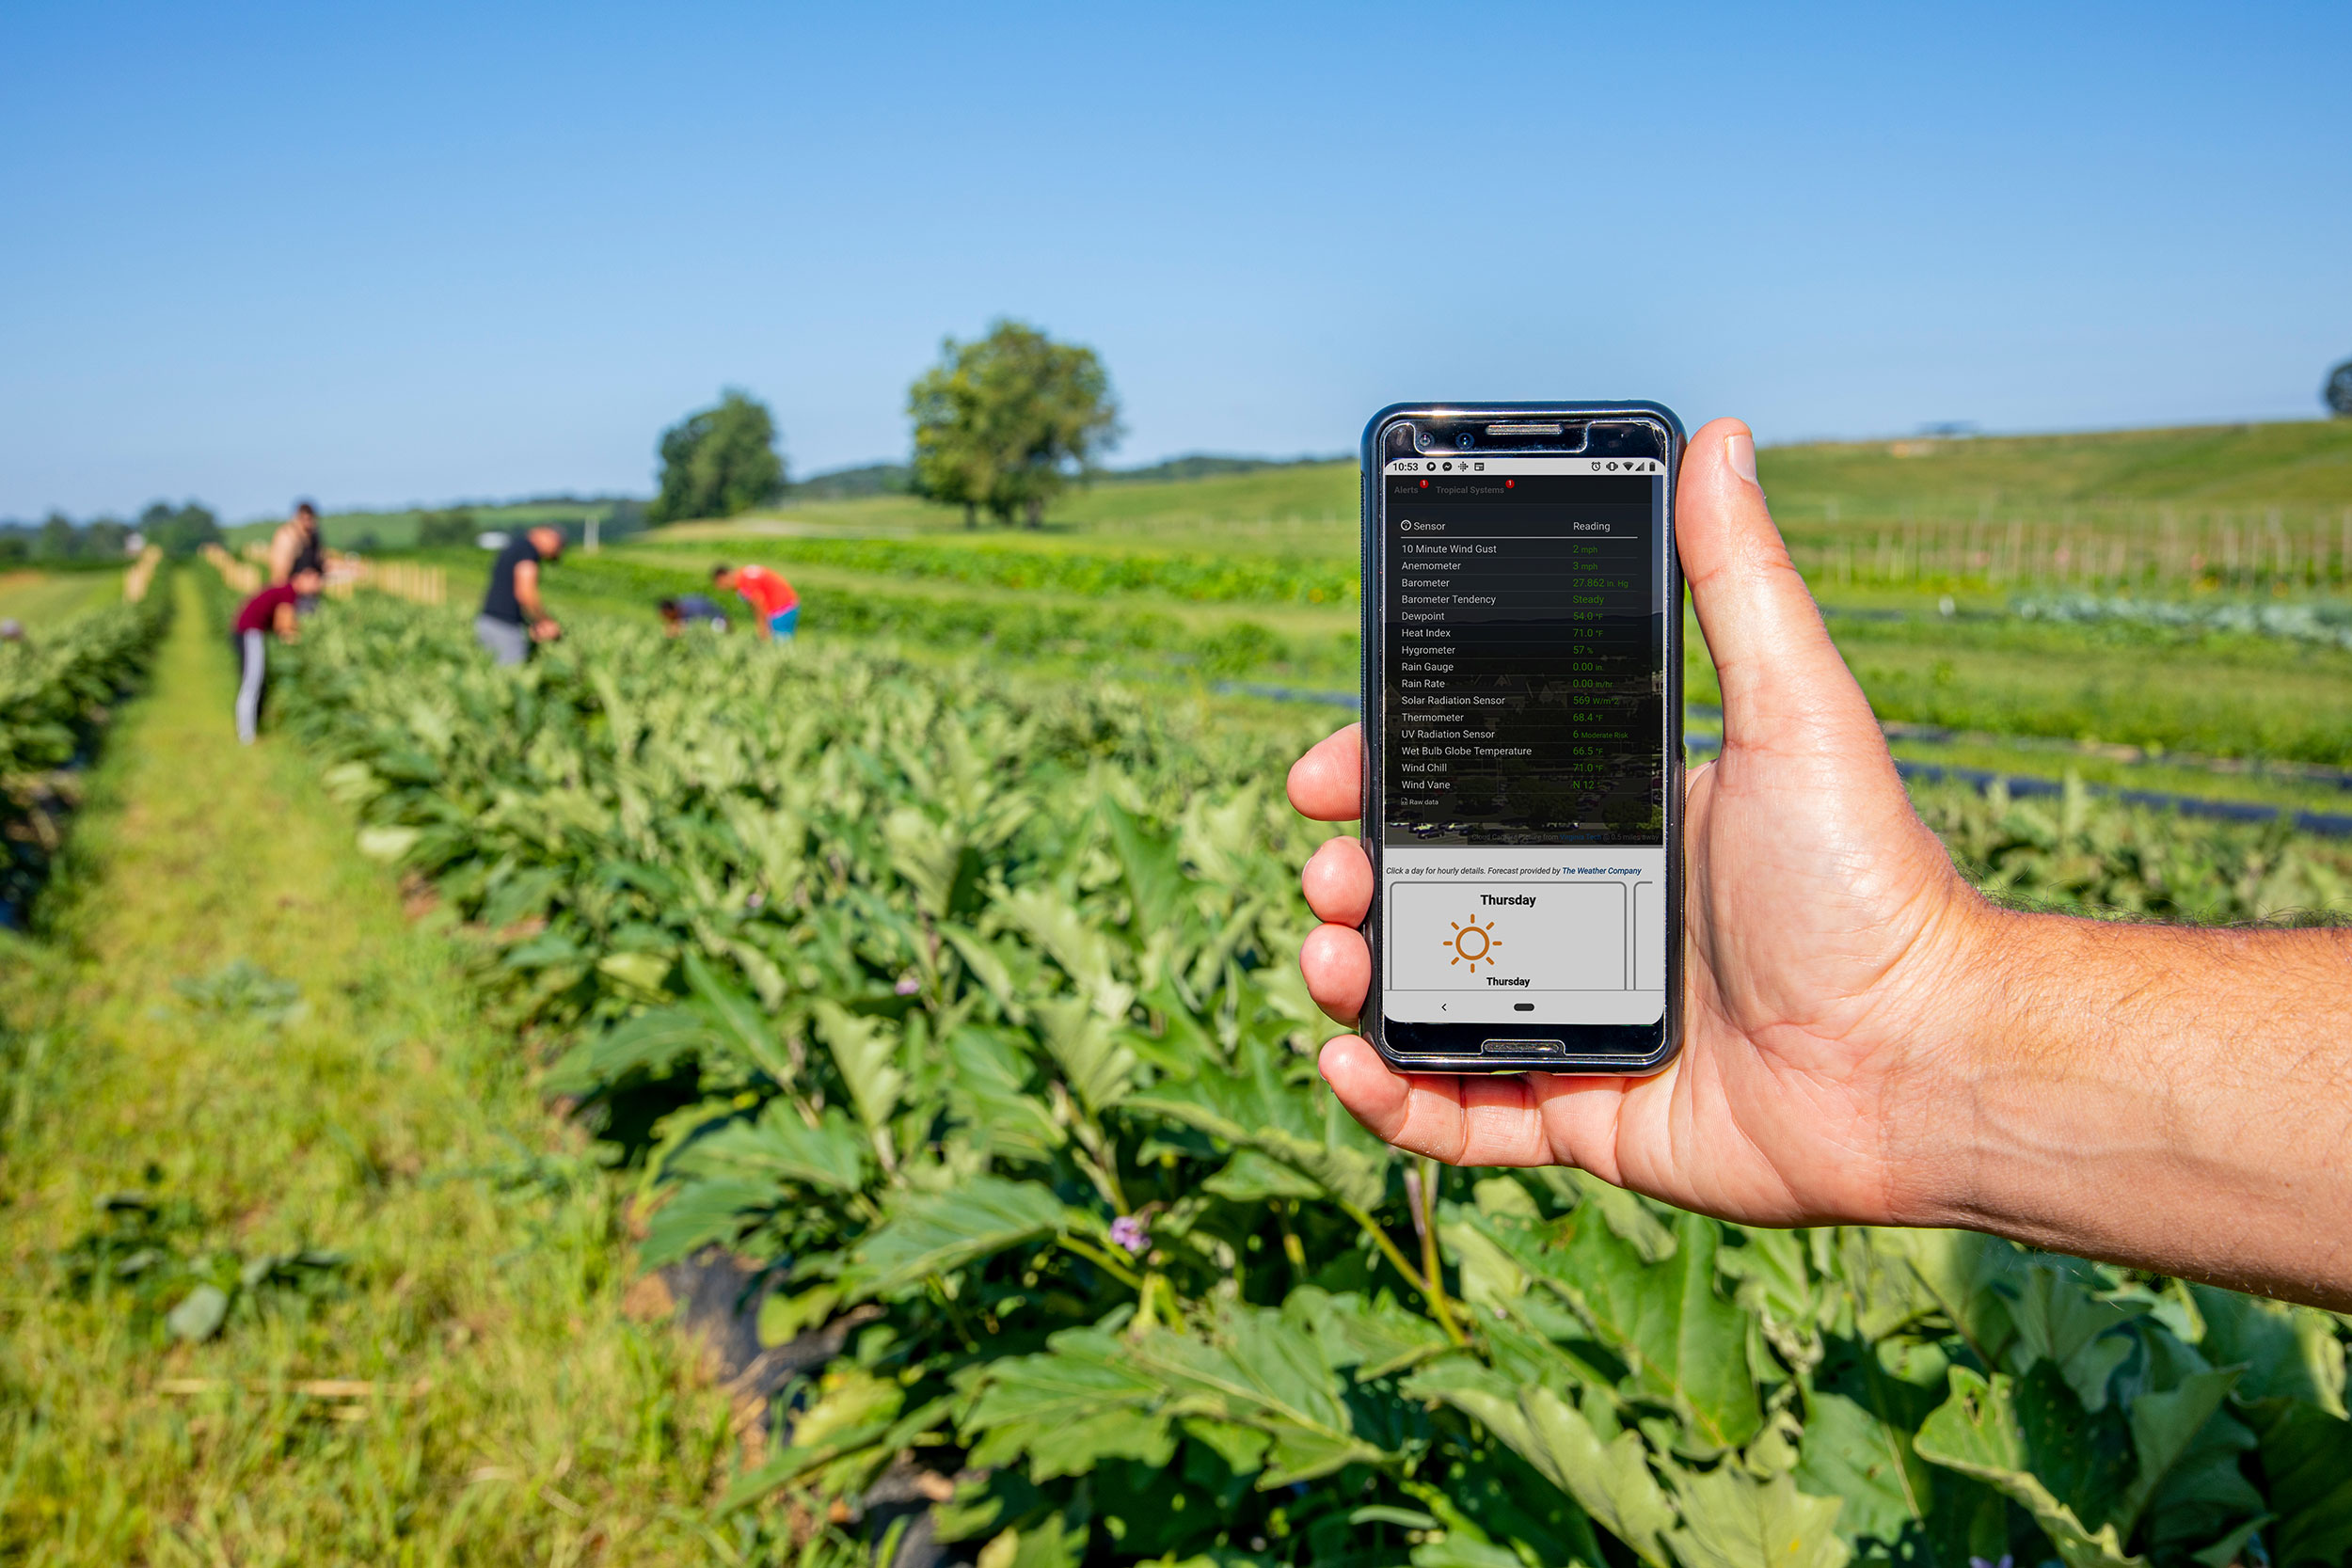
{"points": [[37, 599], [2176, 671]]}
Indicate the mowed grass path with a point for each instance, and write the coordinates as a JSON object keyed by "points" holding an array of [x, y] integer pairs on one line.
{"points": [[474, 1391]]}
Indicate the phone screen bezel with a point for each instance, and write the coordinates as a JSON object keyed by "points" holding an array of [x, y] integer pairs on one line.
{"points": [[1519, 1047]]}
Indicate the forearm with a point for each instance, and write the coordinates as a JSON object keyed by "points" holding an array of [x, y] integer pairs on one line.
{"points": [[2173, 1099]]}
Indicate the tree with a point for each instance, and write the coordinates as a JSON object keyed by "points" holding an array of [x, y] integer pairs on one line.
{"points": [[1006, 421], [719, 462], [454, 525], [58, 539], [104, 536], [2339, 390], [179, 529]]}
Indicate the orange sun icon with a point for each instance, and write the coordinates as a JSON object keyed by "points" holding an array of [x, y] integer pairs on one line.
{"points": [[1474, 945]]}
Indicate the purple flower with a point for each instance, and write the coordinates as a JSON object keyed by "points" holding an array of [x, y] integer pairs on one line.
{"points": [[907, 986], [1131, 1231], [2007, 1562]]}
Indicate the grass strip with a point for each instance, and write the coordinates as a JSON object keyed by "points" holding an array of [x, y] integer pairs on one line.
{"points": [[300, 1269]]}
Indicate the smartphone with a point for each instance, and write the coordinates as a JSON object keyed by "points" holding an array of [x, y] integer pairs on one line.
{"points": [[1522, 704]]}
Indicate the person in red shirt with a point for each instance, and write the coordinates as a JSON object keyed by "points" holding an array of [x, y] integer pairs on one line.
{"points": [[273, 609], [776, 607]]}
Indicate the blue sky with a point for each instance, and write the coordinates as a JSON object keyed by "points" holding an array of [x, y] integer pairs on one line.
{"points": [[416, 253]]}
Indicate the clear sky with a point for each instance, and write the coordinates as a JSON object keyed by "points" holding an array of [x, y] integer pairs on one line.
{"points": [[423, 252]]}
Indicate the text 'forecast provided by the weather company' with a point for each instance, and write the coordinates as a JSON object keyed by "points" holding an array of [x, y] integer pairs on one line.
{"points": [[1522, 692]]}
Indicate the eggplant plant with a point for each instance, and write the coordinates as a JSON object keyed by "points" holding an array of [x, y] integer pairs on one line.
{"points": [[963, 1007]]}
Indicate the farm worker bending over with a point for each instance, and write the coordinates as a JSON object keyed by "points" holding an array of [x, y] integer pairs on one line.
{"points": [[1868, 1040], [512, 617], [270, 610], [690, 609], [775, 608], [296, 548]]}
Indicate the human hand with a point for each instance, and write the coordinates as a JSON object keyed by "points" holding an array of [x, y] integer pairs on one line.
{"points": [[1828, 942], [544, 630]]}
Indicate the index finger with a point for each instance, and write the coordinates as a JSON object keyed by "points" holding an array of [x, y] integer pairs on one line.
{"points": [[1327, 783]]}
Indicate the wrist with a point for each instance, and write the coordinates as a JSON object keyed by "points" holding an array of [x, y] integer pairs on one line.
{"points": [[1953, 1044]]}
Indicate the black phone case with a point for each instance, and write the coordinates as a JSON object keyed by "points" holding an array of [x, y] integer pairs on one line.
{"points": [[1600, 1049]]}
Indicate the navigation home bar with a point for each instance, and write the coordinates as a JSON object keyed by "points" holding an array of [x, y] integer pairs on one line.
{"points": [[1526, 465]]}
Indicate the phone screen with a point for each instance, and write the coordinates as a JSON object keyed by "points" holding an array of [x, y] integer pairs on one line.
{"points": [[1523, 850]]}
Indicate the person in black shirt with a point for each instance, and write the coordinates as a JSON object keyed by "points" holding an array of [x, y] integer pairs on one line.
{"points": [[688, 610], [512, 617]]}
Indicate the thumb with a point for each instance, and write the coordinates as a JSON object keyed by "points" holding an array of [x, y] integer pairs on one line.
{"points": [[1783, 680]]}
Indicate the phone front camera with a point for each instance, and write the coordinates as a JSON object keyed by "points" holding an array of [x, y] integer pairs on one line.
{"points": [[1463, 441]]}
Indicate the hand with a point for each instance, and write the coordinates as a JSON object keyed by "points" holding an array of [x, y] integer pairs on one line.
{"points": [[544, 630], [1828, 944]]}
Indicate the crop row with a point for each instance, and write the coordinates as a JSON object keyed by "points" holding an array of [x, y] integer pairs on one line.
{"points": [[1013, 629], [965, 1007], [1239, 577], [55, 690]]}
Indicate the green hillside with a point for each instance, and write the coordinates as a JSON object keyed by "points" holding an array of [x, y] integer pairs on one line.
{"points": [[1310, 508], [2304, 461], [2301, 464]]}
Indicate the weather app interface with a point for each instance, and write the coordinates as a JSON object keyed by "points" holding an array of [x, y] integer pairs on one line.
{"points": [[1523, 860]]}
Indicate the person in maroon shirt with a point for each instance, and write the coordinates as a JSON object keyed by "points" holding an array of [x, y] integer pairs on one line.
{"points": [[273, 609]]}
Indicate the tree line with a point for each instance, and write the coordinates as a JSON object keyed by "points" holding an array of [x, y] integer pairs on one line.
{"points": [[1001, 424], [58, 540]]}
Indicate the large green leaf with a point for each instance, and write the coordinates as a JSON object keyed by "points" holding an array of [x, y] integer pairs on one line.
{"points": [[2307, 1459], [1265, 1104], [831, 1156], [1097, 1066], [987, 1089], [1084, 952], [1981, 1433], [1610, 1479], [927, 855], [698, 1214], [1686, 1345], [2165, 1427], [1960, 1270], [1850, 1452], [931, 1233], [2058, 1320], [2288, 1352], [1733, 1520], [651, 1042], [1087, 1398], [1154, 865], [1258, 1389], [867, 1052], [1375, 1336], [736, 1014]]}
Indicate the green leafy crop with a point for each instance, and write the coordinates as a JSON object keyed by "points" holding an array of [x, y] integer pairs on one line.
{"points": [[55, 689], [964, 1006]]}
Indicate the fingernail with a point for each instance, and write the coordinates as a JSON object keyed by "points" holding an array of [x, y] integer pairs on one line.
{"points": [[1739, 452]]}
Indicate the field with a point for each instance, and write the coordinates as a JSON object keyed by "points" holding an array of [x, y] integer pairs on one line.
{"points": [[397, 530], [939, 972], [40, 600]]}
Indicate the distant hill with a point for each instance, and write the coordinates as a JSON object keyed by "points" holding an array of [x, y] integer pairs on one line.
{"points": [[867, 479], [2299, 463], [1202, 464], [2287, 463], [896, 479]]}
